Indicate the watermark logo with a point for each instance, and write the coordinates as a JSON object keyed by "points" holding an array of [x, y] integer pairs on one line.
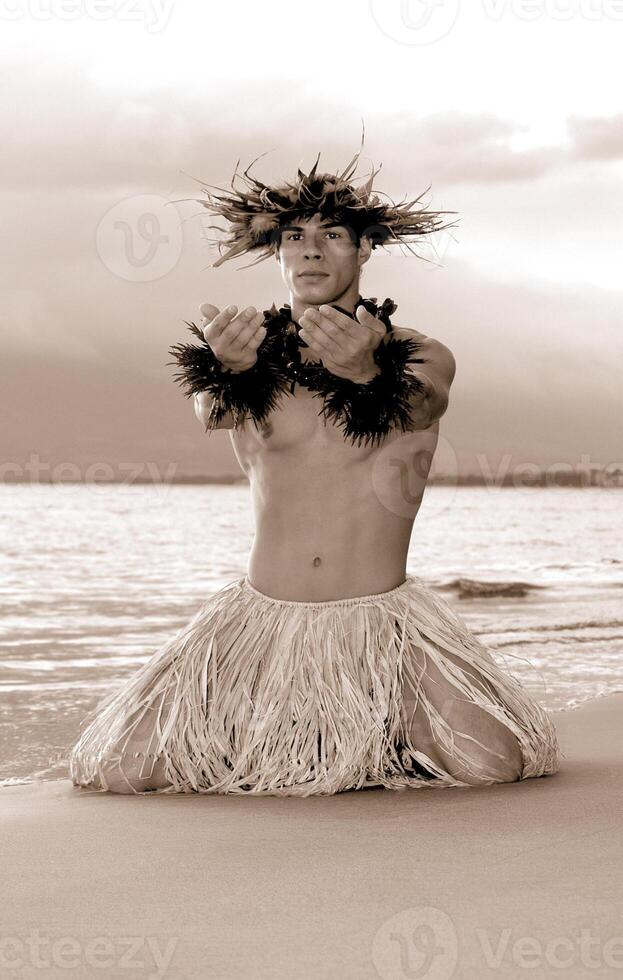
{"points": [[140, 238], [419, 943], [403, 468], [415, 21]]}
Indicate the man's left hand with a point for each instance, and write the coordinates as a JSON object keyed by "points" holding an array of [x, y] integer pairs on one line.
{"points": [[345, 346]]}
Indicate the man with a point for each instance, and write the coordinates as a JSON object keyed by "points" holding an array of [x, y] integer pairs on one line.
{"points": [[328, 666], [351, 543]]}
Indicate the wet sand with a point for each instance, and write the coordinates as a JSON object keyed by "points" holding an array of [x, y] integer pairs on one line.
{"points": [[506, 881]]}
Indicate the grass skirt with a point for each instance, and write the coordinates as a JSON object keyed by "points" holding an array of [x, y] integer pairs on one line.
{"points": [[292, 698]]}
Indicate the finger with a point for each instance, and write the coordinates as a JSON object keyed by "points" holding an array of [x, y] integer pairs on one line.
{"points": [[339, 318], [372, 322], [324, 346], [241, 329], [254, 342], [329, 332], [341, 324], [314, 320], [221, 321], [208, 311], [257, 333]]}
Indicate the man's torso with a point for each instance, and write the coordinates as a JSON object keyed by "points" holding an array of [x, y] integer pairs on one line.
{"points": [[333, 519]]}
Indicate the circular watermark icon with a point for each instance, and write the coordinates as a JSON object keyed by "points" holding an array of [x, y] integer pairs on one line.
{"points": [[404, 467], [140, 238], [415, 21], [419, 943]]}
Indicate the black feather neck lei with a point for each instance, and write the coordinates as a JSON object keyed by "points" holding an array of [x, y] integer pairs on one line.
{"points": [[366, 412]]}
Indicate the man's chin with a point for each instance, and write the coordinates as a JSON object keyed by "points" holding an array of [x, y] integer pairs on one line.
{"points": [[316, 291]]}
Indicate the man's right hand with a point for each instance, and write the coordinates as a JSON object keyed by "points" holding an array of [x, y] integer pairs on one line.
{"points": [[234, 337]]}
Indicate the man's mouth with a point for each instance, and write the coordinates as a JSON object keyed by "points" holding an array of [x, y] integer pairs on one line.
{"points": [[312, 275]]}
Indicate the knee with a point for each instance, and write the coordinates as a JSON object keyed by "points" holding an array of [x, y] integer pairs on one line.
{"points": [[505, 767], [496, 756], [508, 765], [108, 777], [511, 767], [502, 772], [131, 774]]}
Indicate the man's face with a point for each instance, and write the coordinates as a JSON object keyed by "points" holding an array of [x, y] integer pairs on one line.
{"points": [[319, 260]]}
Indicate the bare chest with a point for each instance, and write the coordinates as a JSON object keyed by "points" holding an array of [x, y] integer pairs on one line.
{"points": [[297, 425], [297, 435]]}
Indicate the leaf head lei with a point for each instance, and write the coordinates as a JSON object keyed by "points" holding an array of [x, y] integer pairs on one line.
{"points": [[256, 212]]}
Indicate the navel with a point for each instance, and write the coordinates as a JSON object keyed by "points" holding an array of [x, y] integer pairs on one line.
{"points": [[316, 561]]}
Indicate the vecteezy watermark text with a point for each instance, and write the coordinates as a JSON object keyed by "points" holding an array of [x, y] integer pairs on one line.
{"points": [[423, 942], [100, 477], [154, 14], [421, 22], [106, 953]]}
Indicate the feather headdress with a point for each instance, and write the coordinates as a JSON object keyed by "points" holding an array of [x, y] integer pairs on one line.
{"points": [[256, 212]]}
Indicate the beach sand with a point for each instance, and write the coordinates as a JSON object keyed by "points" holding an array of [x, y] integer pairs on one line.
{"points": [[512, 880]]}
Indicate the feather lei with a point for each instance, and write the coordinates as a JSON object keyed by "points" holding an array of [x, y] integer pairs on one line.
{"points": [[253, 393], [366, 412]]}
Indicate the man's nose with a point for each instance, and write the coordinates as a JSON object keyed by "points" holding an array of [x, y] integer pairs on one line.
{"points": [[312, 249]]}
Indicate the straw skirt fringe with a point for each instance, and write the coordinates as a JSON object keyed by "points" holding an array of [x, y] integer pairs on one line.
{"points": [[268, 696]]}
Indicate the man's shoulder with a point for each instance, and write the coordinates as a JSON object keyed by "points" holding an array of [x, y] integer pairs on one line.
{"points": [[428, 344], [408, 333]]}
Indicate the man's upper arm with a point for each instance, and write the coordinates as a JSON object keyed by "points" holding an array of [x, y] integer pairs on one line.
{"points": [[438, 369]]}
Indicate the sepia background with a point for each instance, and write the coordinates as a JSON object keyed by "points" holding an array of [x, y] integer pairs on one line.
{"points": [[113, 112], [506, 113], [120, 518]]}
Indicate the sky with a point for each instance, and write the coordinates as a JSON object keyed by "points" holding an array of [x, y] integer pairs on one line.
{"points": [[112, 112]]}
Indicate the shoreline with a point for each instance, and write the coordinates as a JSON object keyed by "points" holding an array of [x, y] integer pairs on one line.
{"points": [[506, 878]]}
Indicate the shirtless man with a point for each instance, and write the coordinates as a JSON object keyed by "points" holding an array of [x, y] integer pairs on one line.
{"points": [[322, 532], [332, 525]]}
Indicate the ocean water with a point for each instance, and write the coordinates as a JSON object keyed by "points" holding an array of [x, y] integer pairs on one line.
{"points": [[94, 578]]}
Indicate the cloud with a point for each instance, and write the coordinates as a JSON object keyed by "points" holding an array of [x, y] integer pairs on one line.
{"points": [[455, 147], [149, 141], [536, 373], [85, 350], [596, 138]]}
